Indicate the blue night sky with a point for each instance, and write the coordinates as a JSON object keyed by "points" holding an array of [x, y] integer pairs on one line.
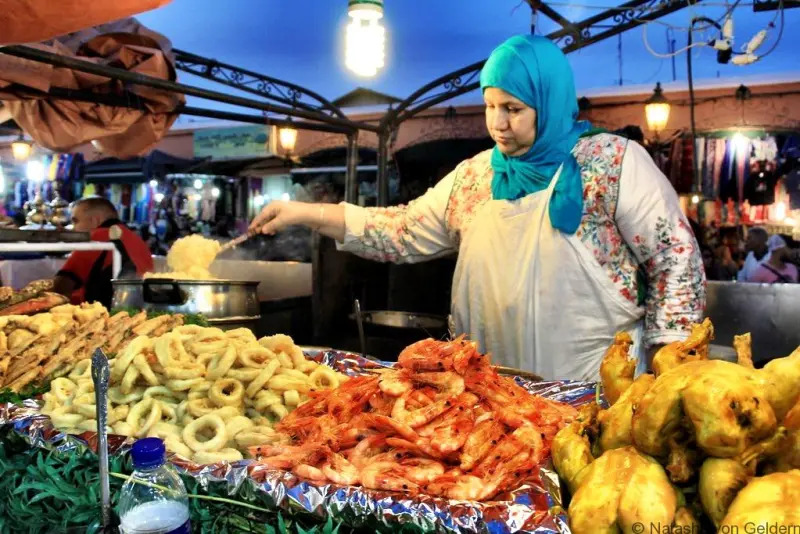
{"points": [[302, 41]]}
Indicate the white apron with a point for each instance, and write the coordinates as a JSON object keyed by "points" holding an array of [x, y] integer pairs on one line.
{"points": [[535, 297]]}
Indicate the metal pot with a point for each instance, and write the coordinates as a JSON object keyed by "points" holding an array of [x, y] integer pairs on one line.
{"points": [[225, 303]]}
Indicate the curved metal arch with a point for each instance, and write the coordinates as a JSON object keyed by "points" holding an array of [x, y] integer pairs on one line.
{"points": [[255, 83], [571, 37]]}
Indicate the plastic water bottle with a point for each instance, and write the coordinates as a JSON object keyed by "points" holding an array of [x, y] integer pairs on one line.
{"points": [[154, 500]]}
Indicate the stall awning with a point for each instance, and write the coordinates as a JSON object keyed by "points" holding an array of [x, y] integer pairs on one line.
{"points": [[155, 165]]}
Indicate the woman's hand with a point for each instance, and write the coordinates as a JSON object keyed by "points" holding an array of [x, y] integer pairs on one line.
{"points": [[328, 219], [277, 215]]}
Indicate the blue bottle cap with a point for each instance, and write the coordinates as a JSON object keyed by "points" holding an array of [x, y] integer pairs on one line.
{"points": [[148, 452]]}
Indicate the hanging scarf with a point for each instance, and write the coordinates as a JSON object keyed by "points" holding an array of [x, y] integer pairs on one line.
{"points": [[535, 71]]}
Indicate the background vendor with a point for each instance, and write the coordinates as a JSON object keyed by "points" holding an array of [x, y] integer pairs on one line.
{"points": [[86, 276], [564, 236]]}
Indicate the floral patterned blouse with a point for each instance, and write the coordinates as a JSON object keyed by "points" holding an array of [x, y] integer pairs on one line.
{"points": [[632, 224]]}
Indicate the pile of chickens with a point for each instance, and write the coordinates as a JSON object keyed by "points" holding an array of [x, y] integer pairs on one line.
{"points": [[443, 422], [700, 444]]}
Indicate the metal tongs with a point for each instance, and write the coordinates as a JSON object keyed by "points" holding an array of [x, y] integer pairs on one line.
{"points": [[100, 377]]}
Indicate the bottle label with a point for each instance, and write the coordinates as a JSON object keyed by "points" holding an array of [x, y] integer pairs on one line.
{"points": [[185, 528]]}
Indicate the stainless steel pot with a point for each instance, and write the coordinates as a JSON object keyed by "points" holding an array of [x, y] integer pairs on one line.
{"points": [[225, 303]]}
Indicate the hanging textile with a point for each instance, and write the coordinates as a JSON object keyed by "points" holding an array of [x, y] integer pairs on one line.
{"points": [[675, 158], [727, 185], [699, 157], [720, 147], [760, 187], [708, 169], [742, 170]]}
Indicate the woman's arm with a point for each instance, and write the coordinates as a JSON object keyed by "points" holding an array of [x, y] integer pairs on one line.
{"points": [[650, 220], [399, 234]]}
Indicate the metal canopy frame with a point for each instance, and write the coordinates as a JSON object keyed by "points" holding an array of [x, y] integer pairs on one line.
{"points": [[311, 111]]}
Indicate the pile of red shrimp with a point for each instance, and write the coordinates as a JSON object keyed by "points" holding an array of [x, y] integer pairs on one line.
{"points": [[443, 422]]}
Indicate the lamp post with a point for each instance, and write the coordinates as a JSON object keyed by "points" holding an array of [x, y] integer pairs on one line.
{"points": [[365, 37], [656, 110]]}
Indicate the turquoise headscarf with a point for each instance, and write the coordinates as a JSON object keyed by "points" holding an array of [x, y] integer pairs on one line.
{"points": [[535, 71]]}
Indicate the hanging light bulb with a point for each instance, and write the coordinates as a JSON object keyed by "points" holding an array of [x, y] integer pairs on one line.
{"points": [[741, 143], [153, 183], [198, 183], [695, 199], [21, 149], [656, 110], [365, 37], [159, 197], [215, 192], [35, 171]]}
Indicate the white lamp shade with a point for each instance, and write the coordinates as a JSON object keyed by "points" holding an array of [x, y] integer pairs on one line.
{"points": [[365, 39]]}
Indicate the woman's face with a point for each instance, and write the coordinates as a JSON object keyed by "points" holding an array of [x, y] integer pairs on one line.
{"points": [[511, 123]]}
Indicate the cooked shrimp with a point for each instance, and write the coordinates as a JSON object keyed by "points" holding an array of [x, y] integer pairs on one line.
{"points": [[386, 476], [340, 470], [288, 456], [371, 446], [448, 383], [384, 424], [420, 470], [395, 383], [419, 416], [461, 487], [481, 440], [310, 472]]}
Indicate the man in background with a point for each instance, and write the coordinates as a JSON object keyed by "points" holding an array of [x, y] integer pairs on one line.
{"points": [[86, 276], [758, 252]]}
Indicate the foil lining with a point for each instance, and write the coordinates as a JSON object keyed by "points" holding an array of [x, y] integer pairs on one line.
{"points": [[535, 507]]}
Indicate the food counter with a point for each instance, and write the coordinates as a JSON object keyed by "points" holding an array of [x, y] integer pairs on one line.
{"points": [[438, 441]]}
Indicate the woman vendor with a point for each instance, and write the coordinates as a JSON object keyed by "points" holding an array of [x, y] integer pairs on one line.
{"points": [[564, 236]]}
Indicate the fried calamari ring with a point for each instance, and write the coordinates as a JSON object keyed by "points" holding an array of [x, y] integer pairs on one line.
{"points": [[293, 373], [122, 428], [265, 399], [63, 389], [183, 385], [121, 412], [83, 387], [163, 430], [257, 435], [217, 441], [225, 455], [243, 375], [183, 370], [180, 411], [129, 379], [162, 393], [323, 377], [140, 362], [263, 377], [66, 420], [255, 357], [285, 359], [220, 365], [199, 407], [244, 334], [176, 445], [82, 369], [226, 392], [228, 412], [116, 395], [279, 410], [308, 367], [199, 391], [286, 382], [150, 408], [168, 413], [236, 424], [291, 398], [90, 425]]}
